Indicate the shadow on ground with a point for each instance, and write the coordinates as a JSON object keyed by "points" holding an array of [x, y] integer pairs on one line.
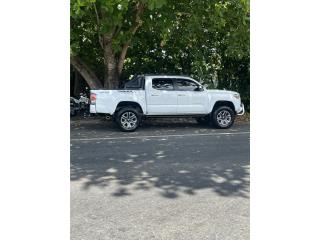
{"points": [[174, 167]]}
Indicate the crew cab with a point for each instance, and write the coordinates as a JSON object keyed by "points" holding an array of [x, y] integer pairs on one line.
{"points": [[166, 96]]}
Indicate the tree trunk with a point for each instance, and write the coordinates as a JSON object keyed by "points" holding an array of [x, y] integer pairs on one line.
{"points": [[76, 86], [114, 62], [111, 80], [88, 75], [122, 57]]}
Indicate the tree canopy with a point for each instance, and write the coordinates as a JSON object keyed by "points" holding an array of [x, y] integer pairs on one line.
{"points": [[207, 39]]}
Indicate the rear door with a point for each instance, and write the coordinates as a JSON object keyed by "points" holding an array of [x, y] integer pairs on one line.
{"points": [[190, 101], [161, 97]]}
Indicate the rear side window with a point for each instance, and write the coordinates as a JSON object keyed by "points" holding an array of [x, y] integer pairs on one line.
{"points": [[186, 85], [136, 83], [162, 84]]}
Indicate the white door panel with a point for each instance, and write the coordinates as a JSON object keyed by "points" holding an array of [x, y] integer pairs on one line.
{"points": [[163, 100], [192, 102]]}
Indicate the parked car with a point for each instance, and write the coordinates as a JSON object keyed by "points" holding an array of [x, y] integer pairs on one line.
{"points": [[166, 96]]}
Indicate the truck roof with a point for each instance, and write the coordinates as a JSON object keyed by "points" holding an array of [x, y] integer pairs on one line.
{"points": [[164, 75]]}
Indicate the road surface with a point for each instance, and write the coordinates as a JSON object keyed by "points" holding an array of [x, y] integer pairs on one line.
{"points": [[168, 180]]}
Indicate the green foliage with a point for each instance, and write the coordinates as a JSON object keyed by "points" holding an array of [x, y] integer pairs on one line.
{"points": [[108, 16], [206, 39], [154, 4]]}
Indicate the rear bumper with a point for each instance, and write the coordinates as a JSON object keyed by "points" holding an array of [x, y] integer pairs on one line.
{"points": [[242, 110], [93, 108]]}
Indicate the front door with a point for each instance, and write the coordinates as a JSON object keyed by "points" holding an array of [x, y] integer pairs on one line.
{"points": [[190, 101]]}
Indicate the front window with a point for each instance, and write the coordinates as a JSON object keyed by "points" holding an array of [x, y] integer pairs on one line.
{"points": [[186, 85]]}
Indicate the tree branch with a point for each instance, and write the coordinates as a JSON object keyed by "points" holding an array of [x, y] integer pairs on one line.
{"points": [[137, 23], [140, 8], [117, 31], [84, 70], [122, 57], [98, 24], [96, 11]]}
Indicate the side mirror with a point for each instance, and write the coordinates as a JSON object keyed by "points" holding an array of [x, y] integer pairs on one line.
{"points": [[199, 88]]}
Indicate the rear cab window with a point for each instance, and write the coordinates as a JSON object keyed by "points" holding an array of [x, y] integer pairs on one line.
{"points": [[136, 83]]}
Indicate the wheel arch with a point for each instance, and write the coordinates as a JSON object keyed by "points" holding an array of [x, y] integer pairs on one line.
{"points": [[224, 103], [133, 104]]}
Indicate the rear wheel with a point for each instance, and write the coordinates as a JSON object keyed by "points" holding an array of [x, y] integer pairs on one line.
{"points": [[223, 117], [128, 119]]}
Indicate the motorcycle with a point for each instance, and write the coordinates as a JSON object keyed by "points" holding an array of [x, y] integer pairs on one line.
{"points": [[78, 105]]}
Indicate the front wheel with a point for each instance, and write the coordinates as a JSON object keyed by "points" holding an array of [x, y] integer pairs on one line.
{"points": [[128, 119], [223, 117]]}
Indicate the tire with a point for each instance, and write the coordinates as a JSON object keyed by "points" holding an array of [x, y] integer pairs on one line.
{"points": [[203, 120], [128, 119], [223, 117]]}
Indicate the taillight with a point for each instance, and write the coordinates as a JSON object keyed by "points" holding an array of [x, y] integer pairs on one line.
{"points": [[93, 98]]}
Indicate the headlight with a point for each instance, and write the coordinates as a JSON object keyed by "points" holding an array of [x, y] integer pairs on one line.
{"points": [[236, 95]]}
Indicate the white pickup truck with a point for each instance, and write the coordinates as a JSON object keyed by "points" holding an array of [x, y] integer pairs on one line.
{"points": [[166, 96]]}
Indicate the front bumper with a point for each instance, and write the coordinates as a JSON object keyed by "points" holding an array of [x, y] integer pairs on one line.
{"points": [[242, 110]]}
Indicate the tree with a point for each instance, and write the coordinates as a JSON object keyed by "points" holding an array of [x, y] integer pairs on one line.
{"points": [[108, 25], [207, 39]]}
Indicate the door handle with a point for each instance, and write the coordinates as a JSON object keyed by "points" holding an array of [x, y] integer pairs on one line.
{"points": [[181, 95], [154, 95]]}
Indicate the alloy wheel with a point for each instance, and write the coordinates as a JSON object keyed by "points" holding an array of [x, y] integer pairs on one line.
{"points": [[224, 118], [128, 120]]}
